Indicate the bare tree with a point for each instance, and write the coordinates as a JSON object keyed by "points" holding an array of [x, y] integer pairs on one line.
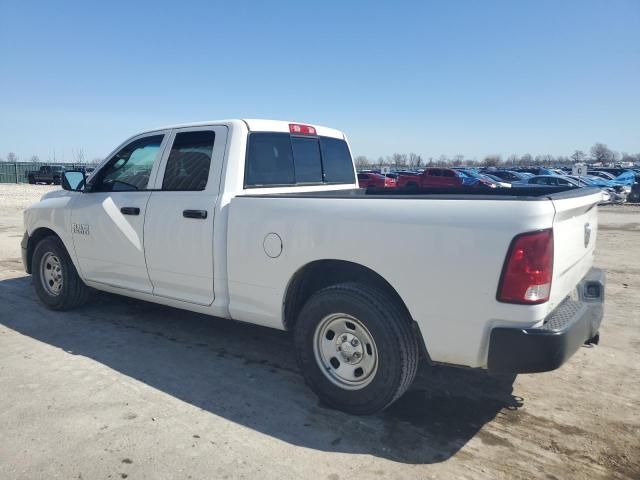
{"points": [[361, 161], [34, 159], [399, 160], [512, 159], [626, 157], [526, 159], [547, 159], [578, 156], [78, 155], [96, 160], [492, 160], [12, 157], [442, 160], [458, 160], [601, 153], [414, 159]]}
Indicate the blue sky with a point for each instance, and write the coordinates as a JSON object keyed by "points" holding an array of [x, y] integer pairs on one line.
{"points": [[434, 77]]}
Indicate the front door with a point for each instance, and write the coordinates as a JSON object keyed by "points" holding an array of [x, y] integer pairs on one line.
{"points": [[178, 229], [108, 217]]}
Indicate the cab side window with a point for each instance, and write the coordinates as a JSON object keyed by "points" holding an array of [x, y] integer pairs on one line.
{"points": [[130, 168], [189, 161]]}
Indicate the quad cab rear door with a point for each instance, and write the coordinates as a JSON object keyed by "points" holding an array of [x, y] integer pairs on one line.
{"points": [[179, 221]]}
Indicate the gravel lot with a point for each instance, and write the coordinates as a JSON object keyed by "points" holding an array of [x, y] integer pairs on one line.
{"points": [[126, 389]]}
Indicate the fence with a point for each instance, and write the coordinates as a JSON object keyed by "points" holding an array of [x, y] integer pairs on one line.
{"points": [[17, 172]]}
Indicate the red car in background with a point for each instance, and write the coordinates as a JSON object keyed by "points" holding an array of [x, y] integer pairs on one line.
{"points": [[431, 177], [370, 179]]}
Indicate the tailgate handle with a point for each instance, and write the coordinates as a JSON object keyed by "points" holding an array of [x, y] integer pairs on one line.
{"points": [[130, 210], [199, 214]]}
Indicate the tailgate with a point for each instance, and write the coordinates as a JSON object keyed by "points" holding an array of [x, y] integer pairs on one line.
{"points": [[575, 227]]}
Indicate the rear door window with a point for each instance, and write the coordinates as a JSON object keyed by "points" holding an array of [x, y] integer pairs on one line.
{"points": [[280, 159], [189, 161]]}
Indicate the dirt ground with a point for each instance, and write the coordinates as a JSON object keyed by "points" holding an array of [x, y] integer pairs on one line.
{"points": [[126, 389]]}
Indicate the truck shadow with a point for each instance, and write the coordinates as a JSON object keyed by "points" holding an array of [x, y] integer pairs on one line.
{"points": [[248, 375]]}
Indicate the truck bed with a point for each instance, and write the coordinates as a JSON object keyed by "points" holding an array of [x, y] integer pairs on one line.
{"points": [[458, 193], [441, 256]]}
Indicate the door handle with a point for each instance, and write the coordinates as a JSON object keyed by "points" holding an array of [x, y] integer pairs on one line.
{"points": [[199, 214], [130, 210]]}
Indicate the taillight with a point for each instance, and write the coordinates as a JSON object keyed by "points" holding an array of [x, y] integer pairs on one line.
{"points": [[389, 182], [301, 129], [528, 268]]}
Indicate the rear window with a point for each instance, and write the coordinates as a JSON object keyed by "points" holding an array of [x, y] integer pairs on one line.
{"points": [[307, 161], [281, 159], [336, 160]]}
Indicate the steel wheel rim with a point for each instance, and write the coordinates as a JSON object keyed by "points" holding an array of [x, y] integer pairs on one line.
{"points": [[345, 351], [51, 274]]}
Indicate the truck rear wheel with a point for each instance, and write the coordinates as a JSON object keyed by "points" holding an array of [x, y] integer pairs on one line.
{"points": [[56, 180], [55, 278], [32, 180], [356, 348]]}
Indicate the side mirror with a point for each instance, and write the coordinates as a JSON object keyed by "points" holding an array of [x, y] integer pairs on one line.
{"points": [[73, 180]]}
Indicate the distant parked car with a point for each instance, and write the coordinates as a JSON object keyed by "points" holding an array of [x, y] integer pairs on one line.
{"points": [[601, 174], [612, 191], [508, 175], [501, 183], [366, 180], [634, 195], [46, 174], [535, 170], [85, 169], [431, 177], [547, 181]]}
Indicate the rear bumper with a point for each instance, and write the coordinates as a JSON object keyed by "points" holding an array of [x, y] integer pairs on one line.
{"points": [[571, 324]]}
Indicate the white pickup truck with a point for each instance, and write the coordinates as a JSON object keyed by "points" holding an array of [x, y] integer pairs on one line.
{"points": [[262, 221]]}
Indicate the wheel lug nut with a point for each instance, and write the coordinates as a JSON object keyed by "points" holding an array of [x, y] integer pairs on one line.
{"points": [[355, 342], [344, 338]]}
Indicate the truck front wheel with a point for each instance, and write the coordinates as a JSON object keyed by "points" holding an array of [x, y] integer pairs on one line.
{"points": [[32, 180], [55, 278], [56, 180], [356, 348]]}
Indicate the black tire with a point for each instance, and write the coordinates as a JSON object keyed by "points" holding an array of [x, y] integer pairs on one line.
{"points": [[634, 197], [56, 180], [73, 292], [32, 181], [395, 343]]}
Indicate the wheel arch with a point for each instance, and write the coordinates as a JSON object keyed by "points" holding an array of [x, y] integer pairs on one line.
{"points": [[319, 274], [36, 236]]}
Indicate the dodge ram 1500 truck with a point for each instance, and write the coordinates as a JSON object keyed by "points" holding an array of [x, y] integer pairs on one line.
{"points": [[261, 221]]}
